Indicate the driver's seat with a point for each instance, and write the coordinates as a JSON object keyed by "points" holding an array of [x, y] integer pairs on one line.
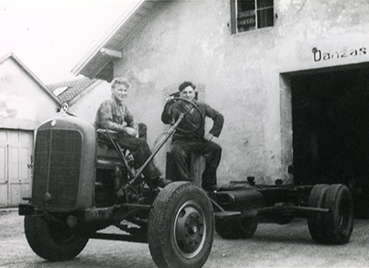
{"points": [[107, 156]]}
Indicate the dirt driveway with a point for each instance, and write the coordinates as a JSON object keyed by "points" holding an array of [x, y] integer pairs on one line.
{"points": [[272, 246]]}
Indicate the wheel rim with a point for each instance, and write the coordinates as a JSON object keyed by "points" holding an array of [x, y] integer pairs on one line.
{"points": [[189, 230]]}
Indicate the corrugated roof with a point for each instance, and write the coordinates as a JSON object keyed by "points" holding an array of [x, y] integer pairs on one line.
{"points": [[73, 88]]}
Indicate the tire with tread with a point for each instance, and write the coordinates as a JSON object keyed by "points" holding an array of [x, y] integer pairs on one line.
{"points": [[334, 227], [339, 222], [181, 226], [53, 242], [315, 219]]}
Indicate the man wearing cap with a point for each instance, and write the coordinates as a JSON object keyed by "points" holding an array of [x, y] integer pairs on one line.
{"points": [[199, 142]]}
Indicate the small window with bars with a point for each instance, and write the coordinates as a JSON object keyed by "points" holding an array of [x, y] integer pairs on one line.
{"points": [[249, 15]]}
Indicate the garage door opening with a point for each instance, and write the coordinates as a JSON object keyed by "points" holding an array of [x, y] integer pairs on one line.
{"points": [[330, 122]]}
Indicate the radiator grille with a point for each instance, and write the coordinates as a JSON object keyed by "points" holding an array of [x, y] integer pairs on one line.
{"points": [[57, 167]]}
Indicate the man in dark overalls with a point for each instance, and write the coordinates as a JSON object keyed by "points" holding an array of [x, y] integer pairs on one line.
{"points": [[198, 142]]}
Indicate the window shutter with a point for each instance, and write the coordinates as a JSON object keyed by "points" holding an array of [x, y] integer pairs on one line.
{"points": [[233, 17]]}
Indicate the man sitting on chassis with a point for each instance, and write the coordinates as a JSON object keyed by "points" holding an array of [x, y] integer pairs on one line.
{"points": [[183, 144], [113, 114]]}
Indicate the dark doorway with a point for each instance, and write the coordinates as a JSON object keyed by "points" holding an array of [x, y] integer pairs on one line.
{"points": [[330, 118]]}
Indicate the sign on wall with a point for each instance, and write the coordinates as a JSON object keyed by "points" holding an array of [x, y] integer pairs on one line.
{"points": [[325, 55]]}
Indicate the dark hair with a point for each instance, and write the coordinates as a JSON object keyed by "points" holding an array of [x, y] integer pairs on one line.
{"points": [[186, 84]]}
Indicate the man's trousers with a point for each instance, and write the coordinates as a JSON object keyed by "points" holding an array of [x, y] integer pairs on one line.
{"points": [[180, 150]]}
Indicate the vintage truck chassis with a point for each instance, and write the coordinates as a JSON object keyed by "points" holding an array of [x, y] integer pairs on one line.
{"points": [[76, 176]]}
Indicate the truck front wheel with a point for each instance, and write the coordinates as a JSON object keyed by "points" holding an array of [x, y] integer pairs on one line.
{"points": [[181, 226], [52, 241]]}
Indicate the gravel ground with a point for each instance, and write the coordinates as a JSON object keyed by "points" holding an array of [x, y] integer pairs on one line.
{"points": [[272, 246]]}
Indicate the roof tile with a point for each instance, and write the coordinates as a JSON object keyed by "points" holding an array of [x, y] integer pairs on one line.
{"points": [[75, 87]]}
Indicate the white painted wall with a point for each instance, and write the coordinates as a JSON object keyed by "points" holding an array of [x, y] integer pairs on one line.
{"points": [[191, 40], [88, 102], [23, 103]]}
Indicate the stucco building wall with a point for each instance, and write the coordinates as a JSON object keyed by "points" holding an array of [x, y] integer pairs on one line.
{"points": [[245, 75], [86, 104], [23, 103]]}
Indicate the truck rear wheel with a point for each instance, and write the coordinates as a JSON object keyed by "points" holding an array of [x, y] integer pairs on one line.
{"points": [[334, 227], [236, 228], [52, 241], [339, 222], [315, 219], [181, 226]]}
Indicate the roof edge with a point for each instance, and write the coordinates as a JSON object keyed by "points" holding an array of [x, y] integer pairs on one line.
{"points": [[110, 33], [30, 73]]}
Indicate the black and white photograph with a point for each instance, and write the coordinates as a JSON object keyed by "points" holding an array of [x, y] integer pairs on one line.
{"points": [[184, 133]]}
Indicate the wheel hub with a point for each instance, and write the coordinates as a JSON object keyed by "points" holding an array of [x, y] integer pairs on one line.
{"points": [[189, 230]]}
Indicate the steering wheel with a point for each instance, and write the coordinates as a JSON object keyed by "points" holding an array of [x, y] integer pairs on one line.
{"points": [[192, 120]]}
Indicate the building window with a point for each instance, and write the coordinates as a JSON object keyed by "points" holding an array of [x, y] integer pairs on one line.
{"points": [[251, 14]]}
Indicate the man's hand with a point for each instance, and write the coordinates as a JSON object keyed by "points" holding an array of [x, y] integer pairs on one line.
{"points": [[169, 99], [168, 110], [208, 137], [131, 131]]}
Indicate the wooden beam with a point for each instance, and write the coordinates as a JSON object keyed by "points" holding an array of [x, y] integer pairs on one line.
{"points": [[111, 53]]}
